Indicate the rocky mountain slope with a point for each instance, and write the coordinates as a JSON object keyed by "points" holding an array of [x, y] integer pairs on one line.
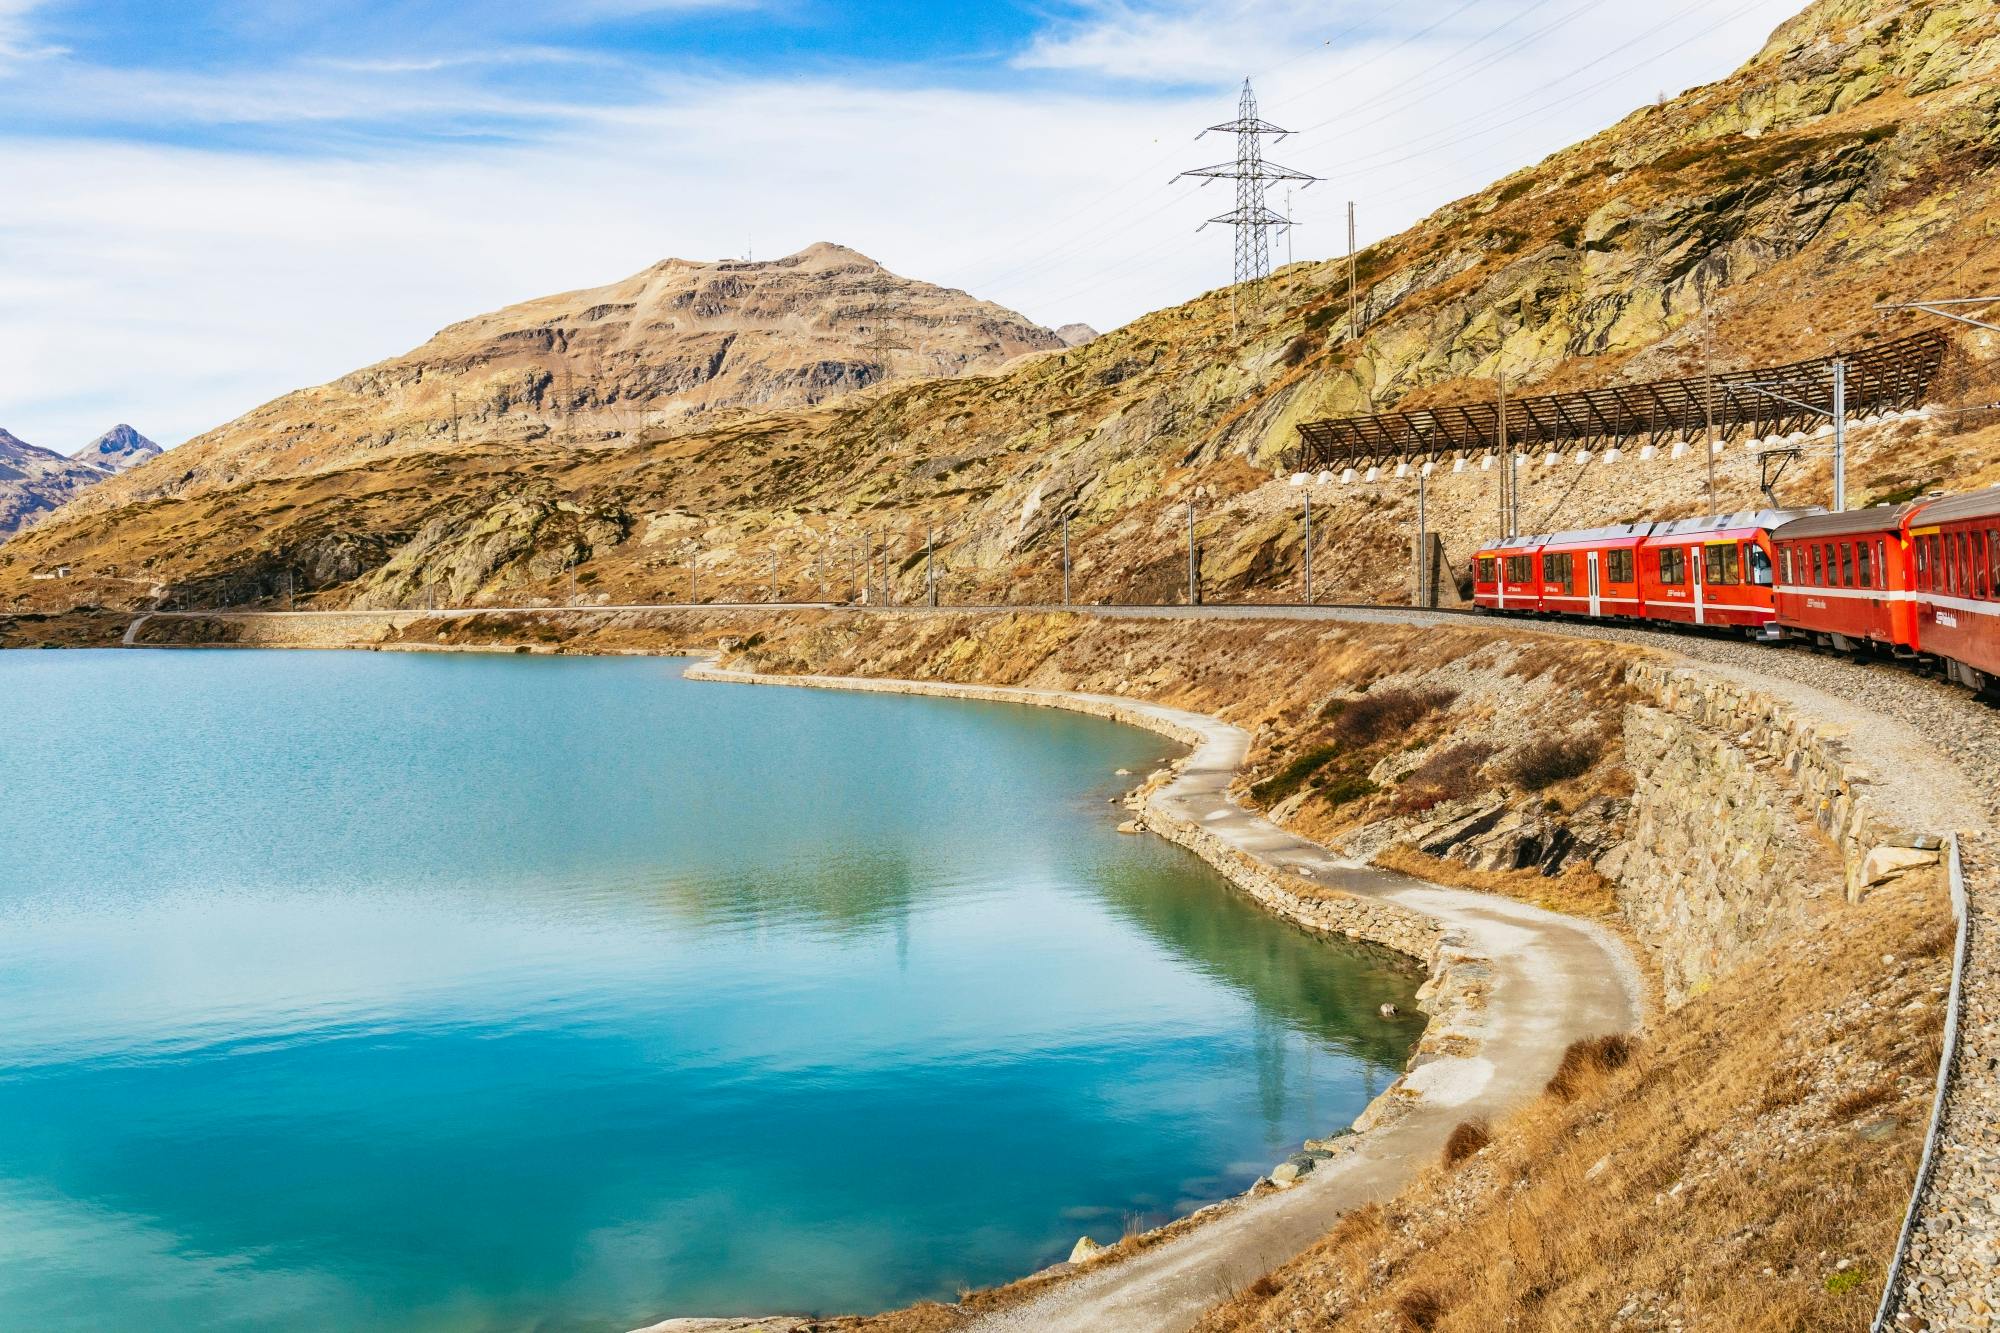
{"points": [[1854, 159], [34, 481], [663, 351], [119, 449]]}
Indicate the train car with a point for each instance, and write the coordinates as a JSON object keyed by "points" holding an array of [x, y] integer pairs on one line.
{"points": [[1716, 571], [1507, 576], [1593, 572], [1844, 580], [1954, 570]]}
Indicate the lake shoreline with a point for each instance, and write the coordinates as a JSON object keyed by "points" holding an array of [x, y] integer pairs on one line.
{"points": [[1510, 986], [1449, 1078]]}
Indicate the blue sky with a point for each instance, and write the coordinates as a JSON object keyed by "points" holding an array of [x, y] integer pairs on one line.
{"points": [[203, 205]]}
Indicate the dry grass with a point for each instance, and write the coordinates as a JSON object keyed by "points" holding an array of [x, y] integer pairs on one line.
{"points": [[1467, 1139], [1578, 891], [1585, 1062], [1650, 1184]]}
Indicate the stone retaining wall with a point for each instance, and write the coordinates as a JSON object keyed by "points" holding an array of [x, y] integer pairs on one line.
{"points": [[1745, 815]]}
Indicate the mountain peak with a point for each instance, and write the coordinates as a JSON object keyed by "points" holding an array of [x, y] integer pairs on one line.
{"points": [[117, 450]]}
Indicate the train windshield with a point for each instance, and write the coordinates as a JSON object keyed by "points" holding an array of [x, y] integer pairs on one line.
{"points": [[1760, 565]]}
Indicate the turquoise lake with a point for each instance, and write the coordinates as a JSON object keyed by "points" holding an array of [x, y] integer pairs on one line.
{"points": [[369, 991]]}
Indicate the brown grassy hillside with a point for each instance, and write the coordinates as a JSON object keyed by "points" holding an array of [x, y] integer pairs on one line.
{"points": [[1755, 220]]}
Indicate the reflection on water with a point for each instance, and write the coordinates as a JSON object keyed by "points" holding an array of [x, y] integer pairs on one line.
{"points": [[381, 992]]}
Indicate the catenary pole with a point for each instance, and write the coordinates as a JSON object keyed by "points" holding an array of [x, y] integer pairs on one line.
{"points": [[1839, 435], [1309, 548]]}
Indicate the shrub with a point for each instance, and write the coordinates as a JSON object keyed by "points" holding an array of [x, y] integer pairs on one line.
{"points": [[1467, 1139], [1586, 1057], [1450, 773], [1419, 1310], [1348, 787], [1373, 717], [1853, 1103], [1293, 775], [1264, 1288], [1551, 760]]}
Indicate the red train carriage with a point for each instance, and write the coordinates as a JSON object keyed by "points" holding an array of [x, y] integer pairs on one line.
{"points": [[1508, 576], [1594, 572], [1844, 579], [1698, 571], [1954, 570], [1717, 570]]}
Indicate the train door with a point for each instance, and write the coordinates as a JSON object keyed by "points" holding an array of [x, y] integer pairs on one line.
{"points": [[1695, 577], [1596, 593]]}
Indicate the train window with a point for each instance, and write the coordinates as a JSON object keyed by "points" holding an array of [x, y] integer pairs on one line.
{"points": [[1979, 564], [1993, 557], [1785, 564], [1861, 564], [1618, 566], [1673, 564], [1486, 564], [1923, 553], [1520, 569], [1723, 568], [1846, 565], [1817, 575], [1558, 569], [1882, 560], [1760, 565]]}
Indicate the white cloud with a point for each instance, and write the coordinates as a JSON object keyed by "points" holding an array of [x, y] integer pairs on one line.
{"points": [[176, 288]]}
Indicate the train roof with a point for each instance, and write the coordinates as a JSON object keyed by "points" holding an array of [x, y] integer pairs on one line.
{"points": [[1882, 518], [1612, 533], [1749, 518], [1679, 527], [1958, 508]]}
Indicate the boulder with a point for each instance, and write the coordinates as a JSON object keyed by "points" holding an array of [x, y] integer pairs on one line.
{"points": [[1885, 863], [1086, 1250], [1287, 1173]]}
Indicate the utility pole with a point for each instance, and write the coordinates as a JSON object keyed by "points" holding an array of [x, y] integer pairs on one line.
{"points": [[1065, 559], [1839, 435], [774, 576], [1353, 311], [1423, 597], [454, 420], [1252, 218], [1309, 548], [1708, 444], [930, 569], [1510, 503], [1194, 589]]}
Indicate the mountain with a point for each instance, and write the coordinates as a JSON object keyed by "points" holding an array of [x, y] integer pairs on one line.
{"points": [[667, 350], [35, 481], [119, 449], [1076, 335], [1853, 160]]}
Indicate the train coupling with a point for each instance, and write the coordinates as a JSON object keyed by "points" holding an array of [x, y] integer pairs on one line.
{"points": [[1770, 633]]}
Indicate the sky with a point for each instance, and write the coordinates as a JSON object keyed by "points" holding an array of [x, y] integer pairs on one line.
{"points": [[207, 203]]}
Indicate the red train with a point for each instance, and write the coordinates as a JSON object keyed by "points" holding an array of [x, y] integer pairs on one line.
{"points": [[1918, 580]]}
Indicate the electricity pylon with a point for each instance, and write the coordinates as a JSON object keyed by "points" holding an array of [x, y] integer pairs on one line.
{"points": [[1252, 218]]}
